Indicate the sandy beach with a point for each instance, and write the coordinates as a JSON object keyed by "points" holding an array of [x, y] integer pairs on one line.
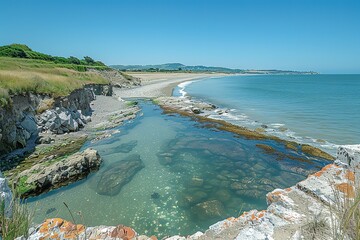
{"points": [[160, 84]]}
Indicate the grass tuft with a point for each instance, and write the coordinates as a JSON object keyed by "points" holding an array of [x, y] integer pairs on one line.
{"points": [[18, 224], [345, 214]]}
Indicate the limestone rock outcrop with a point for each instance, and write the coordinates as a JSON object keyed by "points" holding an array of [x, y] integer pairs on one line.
{"points": [[57, 172], [185, 104], [62, 120], [57, 228]]}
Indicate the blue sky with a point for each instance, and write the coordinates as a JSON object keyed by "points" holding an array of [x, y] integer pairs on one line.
{"points": [[318, 35]]}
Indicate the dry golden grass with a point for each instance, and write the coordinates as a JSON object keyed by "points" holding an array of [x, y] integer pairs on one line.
{"points": [[345, 214], [23, 75]]}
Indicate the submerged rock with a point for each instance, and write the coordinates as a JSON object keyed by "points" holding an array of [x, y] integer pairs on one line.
{"points": [[50, 210], [123, 148], [192, 198], [118, 174], [223, 195], [197, 182], [127, 147], [155, 195], [208, 209]]}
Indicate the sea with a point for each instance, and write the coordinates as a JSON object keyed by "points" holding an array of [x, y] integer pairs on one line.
{"points": [[321, 109]]}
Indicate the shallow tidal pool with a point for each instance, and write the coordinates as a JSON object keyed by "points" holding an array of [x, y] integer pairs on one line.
{"points": [[165, 175]]}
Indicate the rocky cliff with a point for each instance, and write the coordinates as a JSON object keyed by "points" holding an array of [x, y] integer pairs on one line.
{"points": [[30, 113]]}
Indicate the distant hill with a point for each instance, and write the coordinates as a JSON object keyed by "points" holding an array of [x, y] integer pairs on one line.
{"points": [[178, 67], [23, 51], [174, 67]]}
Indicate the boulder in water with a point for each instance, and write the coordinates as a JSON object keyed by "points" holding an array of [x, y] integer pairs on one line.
{"points": [[118, 174]]}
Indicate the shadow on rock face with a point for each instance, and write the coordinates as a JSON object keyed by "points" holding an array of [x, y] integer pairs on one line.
{"points": [[117, 175]]}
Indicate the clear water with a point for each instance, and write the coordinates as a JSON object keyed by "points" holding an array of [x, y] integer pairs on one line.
{"points": [[319, 109], [185, 164]]}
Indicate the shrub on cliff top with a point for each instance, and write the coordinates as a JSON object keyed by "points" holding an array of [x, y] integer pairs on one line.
{"points": [[23, 51]]}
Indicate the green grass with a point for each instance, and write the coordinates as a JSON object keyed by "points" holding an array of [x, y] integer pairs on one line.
{"points": [[18, 224], [18, 76], [22, 187], [131, 103]]}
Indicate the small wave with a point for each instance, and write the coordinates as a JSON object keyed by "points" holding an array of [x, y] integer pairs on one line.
{"points": [[182, 87], [277, 125], [276, 129]]}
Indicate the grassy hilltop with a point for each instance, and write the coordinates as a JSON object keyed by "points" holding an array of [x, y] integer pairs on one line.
{"points": [[24, 70]]}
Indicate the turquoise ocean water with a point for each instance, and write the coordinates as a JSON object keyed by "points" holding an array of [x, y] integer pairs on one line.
{"points": [[192, 177], [323, 110]]}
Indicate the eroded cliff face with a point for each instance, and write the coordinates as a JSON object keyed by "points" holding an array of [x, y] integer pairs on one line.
{"points": [[19, 121]]}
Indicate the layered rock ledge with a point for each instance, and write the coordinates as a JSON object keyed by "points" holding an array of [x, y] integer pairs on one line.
{"points": [[292, 213], [54, 172]]}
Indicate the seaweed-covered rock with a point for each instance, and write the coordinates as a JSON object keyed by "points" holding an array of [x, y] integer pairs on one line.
{"points": [[118, 174], [316, 152]]}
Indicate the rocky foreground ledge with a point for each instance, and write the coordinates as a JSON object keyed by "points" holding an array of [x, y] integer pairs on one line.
{"points": [[303, 211]]}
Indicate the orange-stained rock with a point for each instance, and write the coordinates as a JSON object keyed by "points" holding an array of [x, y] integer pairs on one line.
{"points": [[153, 237], [51, 223], [121, 231], [350, 175], [261, 214], [324, 169], [55, 236], [46, 236], [347, 189], [67, 226]]}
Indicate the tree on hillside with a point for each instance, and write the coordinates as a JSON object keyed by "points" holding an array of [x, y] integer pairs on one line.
{"points": [[89, 60], [74, 60]]}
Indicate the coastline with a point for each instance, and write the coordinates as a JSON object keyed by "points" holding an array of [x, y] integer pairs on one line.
{"points": [[160, 84], [104, 107]]}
